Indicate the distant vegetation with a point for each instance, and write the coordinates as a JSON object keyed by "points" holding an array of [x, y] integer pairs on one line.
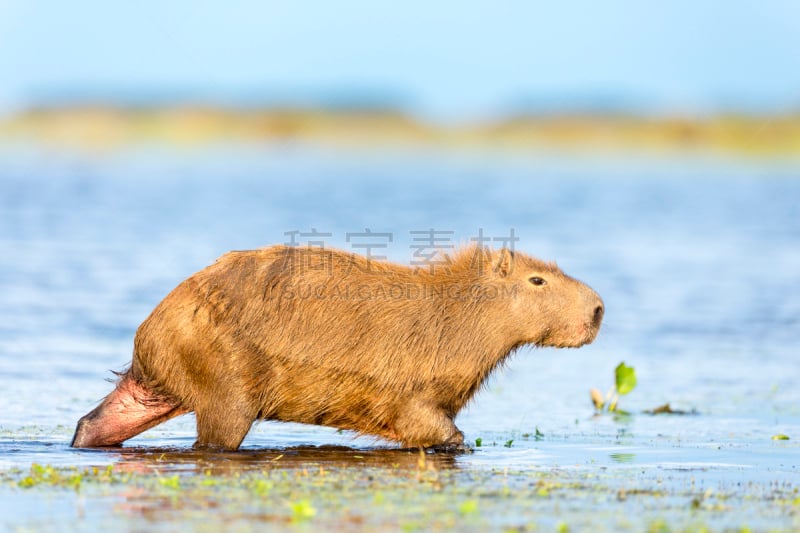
{"points": [[103, 126]]}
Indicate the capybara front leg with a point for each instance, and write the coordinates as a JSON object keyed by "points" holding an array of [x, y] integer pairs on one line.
{"points": [[422, 425], [222, 426], [129, 410]]}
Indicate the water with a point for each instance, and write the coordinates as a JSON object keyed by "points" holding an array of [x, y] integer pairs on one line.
{"points": [[697, 261]]}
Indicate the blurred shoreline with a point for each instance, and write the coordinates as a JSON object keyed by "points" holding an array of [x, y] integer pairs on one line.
{"points": [[110, 126]]}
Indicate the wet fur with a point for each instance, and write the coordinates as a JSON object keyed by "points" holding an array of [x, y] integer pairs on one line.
{"points": [[326, 337]]}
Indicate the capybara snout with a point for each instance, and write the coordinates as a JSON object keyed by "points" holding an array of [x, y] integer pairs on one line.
{"points": [[562, 312], [331, 338]]}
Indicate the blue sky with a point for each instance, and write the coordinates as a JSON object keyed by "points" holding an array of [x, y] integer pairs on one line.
{"points": [[448, 59]]}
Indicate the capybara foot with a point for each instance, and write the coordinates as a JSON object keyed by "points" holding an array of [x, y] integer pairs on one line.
{"points": [[424, 426], [127, 411], [454, 444], [452, 449], [456, 439], [208, 447]]}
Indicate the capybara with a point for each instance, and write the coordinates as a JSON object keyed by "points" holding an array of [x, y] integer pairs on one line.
{"points": [[326, 337]]}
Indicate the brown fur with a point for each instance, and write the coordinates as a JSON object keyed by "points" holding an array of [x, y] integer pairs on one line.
{"points": [[330, 338]]}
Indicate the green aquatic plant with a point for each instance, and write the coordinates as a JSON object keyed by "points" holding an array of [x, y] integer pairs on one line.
{"points": [[172, 482], [625, 378], [48, 475], [468, 507], [262, 487], [537, 435], [624, 383], [302, 510], [72, 477]]}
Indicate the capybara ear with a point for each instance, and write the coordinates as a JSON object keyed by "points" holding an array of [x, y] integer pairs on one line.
{"points": [[505, 262]]}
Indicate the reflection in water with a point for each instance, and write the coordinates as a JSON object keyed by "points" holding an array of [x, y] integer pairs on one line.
{"points": [[623, 457], [280, 486], [143, 460]]}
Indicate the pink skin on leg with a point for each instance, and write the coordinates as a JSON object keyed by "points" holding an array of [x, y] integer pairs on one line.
{"points": [[129, 410]]}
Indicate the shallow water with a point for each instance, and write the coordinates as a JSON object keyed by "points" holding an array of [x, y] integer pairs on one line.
{"points": [[697, 261]]}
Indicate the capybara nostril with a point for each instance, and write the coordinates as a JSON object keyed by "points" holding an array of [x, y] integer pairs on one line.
{"points": [[598, 315]]}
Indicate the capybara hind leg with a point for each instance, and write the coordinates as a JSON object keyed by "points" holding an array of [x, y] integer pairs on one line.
{"points": [[422, 425], [222, 427], [129, 410]]}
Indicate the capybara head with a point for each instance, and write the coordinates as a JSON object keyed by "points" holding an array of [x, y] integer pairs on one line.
{"points": [[545, 307]]}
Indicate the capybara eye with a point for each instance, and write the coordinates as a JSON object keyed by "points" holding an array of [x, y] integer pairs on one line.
{"points": [[536, 280]]}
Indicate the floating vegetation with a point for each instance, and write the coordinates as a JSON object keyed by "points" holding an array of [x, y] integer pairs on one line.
{"points": [[625, 382], [666, 409], [302, 510], [41, 475], [405, 491]]}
